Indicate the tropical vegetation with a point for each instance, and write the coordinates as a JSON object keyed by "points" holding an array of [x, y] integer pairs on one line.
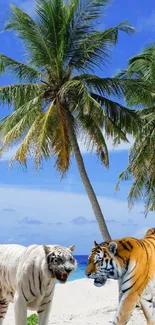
{"points": [[58, 97], [141, 166]]}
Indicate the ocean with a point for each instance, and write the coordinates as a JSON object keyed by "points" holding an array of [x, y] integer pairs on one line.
{"points": [[80, 271]]}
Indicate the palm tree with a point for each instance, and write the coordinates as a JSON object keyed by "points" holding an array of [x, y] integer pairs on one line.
{"points": [[58, 97], [142, 154]]}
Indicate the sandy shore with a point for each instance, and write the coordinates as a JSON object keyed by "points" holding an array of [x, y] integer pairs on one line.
{"points": [[80, 303]]}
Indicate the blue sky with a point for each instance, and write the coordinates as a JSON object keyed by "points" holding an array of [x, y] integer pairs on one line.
{"points": [[38, 207]]}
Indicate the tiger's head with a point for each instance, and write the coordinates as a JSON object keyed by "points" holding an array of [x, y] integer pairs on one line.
{"points": [[60, 261], [104, 263]]}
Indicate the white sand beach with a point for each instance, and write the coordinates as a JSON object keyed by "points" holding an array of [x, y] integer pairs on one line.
{"points": [[81, 303]]}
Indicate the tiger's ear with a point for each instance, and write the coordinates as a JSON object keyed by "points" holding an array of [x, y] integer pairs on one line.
{"points": [[95, 243], [113, 248], [46, 249], [72, 247]]}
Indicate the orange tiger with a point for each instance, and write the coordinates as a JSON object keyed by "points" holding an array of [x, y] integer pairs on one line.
{"points": [[132, 262]]}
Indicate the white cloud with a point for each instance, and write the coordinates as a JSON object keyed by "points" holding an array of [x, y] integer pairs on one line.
{"points": [[51, 207], [30, 221], [146, 23]]}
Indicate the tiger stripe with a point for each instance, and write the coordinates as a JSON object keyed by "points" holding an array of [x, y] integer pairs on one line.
{"points": [[39, 277], [28, 276], [33, 277], [3, 309], [31, 289], [24, 294], [132, 262]]}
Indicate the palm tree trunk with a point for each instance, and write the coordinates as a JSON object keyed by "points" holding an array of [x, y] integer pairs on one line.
{"points": [[86, 181]]}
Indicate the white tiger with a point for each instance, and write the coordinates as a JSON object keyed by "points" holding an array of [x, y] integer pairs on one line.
{"points": [[28, 276]]}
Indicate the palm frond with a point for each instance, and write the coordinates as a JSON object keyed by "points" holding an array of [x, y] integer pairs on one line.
{"points": [[93, 50], [141, 166], [112, 117], [113, 86], [61, 42], [141, 189], [94, 137], [37, 48], [69, 89], [28, 145], [127, 120], [84, 13], [15, 126], [141, 68], [101, 119], [143, 64], [62, 143], [51, 20], [20, 70], [81, 15], [52, 138], [46, 127], [17, 94], [109, 127]]}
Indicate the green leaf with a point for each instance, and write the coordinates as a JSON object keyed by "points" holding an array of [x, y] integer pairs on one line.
{"points": [[127, 120], [92, 50], [30, 33], [61, 41], [20, 70], [96, 139], [32, 320], [141, 167], [18, 94]]}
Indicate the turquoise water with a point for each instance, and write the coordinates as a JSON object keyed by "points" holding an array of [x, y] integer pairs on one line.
{"points": [[80, 271]]}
